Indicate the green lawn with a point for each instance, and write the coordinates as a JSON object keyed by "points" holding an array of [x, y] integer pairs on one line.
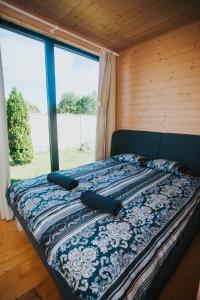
{"points": [[69, 158]]}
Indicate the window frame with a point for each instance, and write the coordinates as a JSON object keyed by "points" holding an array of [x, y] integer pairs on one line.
{"points": [[49, 46]]}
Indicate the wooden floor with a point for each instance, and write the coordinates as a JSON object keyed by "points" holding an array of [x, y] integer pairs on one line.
{"points": [[23, 276]]}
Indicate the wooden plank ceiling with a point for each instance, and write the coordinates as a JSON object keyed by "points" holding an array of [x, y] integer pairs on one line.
{"points": [[117, 24]]}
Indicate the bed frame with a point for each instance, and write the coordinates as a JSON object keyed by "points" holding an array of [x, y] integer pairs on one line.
{"points": [[180, 147]]}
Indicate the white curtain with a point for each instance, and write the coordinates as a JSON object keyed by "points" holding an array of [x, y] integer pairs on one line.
{"points": [[5, 210], [106, 104]]}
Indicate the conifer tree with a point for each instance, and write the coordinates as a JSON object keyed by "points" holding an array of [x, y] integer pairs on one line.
{"points": [[19, 132]]}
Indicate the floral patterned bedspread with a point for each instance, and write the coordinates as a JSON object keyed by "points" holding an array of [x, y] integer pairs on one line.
{"points": [[101, 256]]}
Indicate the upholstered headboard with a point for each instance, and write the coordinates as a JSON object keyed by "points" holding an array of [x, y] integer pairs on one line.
{"points": [[183, 148]]}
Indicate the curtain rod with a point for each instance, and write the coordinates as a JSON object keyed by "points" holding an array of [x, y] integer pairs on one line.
{"points": [[55, 27]]}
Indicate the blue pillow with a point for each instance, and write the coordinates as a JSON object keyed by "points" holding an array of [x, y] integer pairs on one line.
{"points": [[131, 158], [166, 165]]}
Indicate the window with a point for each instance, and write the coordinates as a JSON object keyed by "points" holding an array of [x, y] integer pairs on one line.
{"points": [[40, 74], [76, 99]]}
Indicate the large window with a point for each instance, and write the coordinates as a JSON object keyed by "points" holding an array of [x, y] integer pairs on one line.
{"points": [[51, 92]]}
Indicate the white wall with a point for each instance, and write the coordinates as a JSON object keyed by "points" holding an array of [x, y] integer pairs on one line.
{"points": [[73, 130]]}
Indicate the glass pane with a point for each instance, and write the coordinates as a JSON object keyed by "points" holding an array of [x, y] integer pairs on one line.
{"points": [[76, 96], [25, 88]]}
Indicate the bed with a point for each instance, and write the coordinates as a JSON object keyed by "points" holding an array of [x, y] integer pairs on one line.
{"points": [[94, 255]]}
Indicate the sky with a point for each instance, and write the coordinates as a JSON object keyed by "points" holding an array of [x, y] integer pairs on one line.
{"points": [[24, 67]]}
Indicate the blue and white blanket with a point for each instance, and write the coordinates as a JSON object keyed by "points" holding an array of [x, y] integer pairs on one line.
{"points": [[101, 256]]}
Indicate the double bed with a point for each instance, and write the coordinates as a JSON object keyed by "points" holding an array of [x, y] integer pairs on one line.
{"points": [[95, 255]]}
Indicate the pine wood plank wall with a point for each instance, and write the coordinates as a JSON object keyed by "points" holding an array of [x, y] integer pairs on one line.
{"points": [[158, 83]]}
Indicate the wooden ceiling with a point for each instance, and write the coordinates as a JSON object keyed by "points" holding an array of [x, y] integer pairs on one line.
{"points": [[117, 24]]}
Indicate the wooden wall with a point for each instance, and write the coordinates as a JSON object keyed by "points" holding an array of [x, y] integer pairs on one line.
{"points": [[158, 83]]}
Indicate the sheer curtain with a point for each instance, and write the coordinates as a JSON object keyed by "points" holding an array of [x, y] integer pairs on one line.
{"points": [[106, 104], [5, 210]]}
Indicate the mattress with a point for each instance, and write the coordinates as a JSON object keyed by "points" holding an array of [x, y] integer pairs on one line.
{"points": [[97, 255]]}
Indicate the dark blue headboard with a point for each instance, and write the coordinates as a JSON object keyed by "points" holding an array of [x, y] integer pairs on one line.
{"points": [[183, 148]]}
